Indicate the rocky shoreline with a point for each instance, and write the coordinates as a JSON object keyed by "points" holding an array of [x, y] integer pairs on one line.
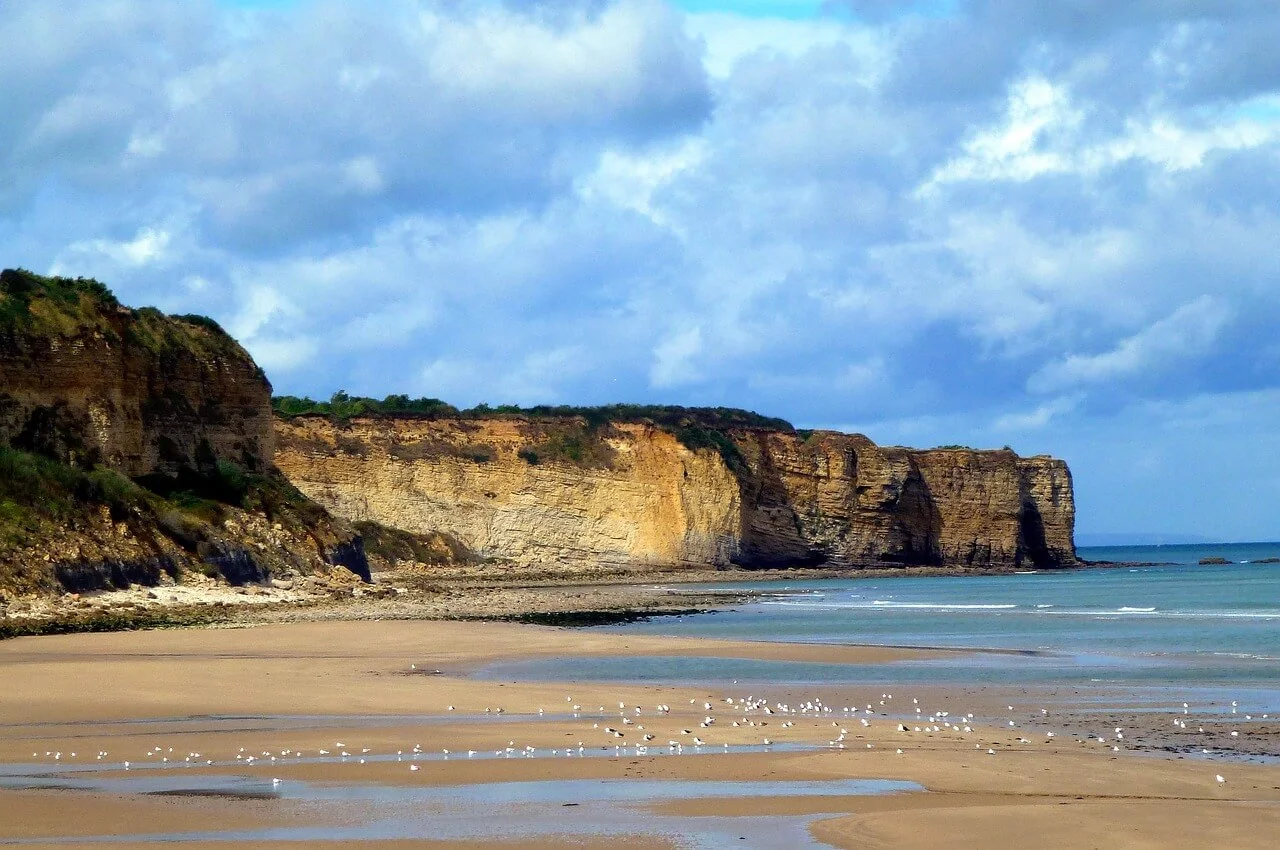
{"points": [[457, 593]]}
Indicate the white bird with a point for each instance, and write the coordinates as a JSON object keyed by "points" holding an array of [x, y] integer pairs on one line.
{"points": [[1220, 778]]}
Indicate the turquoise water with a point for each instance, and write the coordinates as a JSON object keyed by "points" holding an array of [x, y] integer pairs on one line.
{"points": [[1183, 625], [1182, 553]]}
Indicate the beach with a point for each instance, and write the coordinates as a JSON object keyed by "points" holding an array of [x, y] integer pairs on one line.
{"points": [[394, 695]]}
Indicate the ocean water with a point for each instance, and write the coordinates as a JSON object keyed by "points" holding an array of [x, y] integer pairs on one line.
{"points": [[1180, 624]]}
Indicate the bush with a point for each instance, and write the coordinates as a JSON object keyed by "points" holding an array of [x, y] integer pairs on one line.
{"points": [[201, 322], [342, 406]]}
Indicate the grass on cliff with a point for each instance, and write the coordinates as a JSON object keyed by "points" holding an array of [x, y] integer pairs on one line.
{"points": [[34, 488], [53, 306], [394, 546], [583, 444], [41, 498], [43, 306], [342, 406]]}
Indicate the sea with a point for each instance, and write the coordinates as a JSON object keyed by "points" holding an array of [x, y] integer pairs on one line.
{"points": [[1158, 620]]}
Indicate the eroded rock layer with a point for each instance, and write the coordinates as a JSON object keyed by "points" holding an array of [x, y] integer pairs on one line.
{"points": [[564, 494], [88, 381]]}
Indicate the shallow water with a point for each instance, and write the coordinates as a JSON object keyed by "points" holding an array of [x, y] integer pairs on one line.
{"points": [[1180, 625], [495, 810]]}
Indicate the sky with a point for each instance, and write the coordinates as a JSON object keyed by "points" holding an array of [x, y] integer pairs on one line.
{"points": [[1047, 224]]}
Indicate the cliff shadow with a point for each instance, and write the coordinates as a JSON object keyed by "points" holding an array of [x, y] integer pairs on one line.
{"points": [[914, 536], [1034, 545], [773, 534]]}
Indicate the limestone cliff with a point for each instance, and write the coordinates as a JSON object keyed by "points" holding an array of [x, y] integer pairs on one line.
{"points": [[639, 493], [135, 446]]}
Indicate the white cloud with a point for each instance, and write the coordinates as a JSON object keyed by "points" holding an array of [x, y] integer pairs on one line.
{"points": [[629, 180], [1043, 133], [729, 38], [675, 358], [1186, 332], [1021, 147], [148, 246], [283, 355], [1040, 417]]}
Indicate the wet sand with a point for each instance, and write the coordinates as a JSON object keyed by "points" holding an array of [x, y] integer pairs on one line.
{"points": [[374, 686]]}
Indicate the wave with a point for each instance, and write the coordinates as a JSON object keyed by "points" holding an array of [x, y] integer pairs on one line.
{"points": [[944, 606], [1046, 609], [881, 604]]}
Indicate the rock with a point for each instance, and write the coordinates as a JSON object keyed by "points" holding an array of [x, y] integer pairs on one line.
{"points": [[1214, 561], [281, 584], [640, 497]]}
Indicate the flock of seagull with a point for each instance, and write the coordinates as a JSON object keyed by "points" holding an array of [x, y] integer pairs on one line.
{"points": [[749, 713]]}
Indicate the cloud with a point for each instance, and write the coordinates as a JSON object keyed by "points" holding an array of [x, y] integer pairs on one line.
{"points": [[1038, 418], [674, 358], [1188, 331]]}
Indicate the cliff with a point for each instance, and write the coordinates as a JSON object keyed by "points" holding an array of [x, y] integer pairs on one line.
{"points": [[87, 381], [579, 494], [136, 447]]}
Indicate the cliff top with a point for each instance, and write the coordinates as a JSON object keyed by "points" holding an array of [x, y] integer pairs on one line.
{"points": [[342, 406], [41, 306]]}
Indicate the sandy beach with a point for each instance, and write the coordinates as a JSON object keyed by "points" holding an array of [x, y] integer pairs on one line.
{"points": [[396, 695]]}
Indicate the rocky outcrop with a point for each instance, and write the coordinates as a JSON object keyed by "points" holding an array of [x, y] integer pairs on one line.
{"points": [[638, 494], [136, 447]]}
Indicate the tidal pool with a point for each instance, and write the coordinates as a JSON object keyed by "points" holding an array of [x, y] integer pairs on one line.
{"points": [[490, 811]]}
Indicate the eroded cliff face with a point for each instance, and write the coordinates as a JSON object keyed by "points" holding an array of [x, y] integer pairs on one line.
{"points": [[653, 503], [639, 496], [847, 501], [88, 381]]}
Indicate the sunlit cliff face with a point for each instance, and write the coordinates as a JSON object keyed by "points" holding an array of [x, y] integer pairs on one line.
{"points": [[783, 499]]}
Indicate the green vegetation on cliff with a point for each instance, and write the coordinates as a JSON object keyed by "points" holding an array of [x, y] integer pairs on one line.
{"points": [[37, 492], [394, 546], [582, 443], [342, 406], [45, 503], [53, 306], [39, 306]]}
